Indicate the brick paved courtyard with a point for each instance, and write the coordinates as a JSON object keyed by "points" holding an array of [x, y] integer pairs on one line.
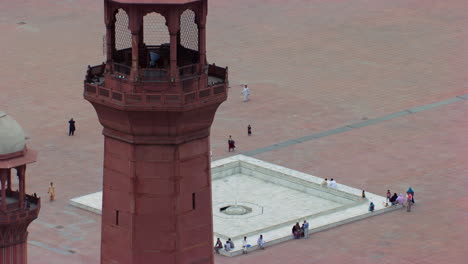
{"points": [[312, 66]]}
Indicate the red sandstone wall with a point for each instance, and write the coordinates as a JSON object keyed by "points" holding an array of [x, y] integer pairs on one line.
{"points": [[16, 254], [151, 186]]}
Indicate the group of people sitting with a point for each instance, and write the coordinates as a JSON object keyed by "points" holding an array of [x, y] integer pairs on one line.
{"points": [[300, 231], [331, 184], [400, 199], [407, 200], [245, 245]]}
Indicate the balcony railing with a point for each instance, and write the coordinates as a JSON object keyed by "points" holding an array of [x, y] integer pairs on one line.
{"points": [[30, 209], [94, 73], [154, 99], [217, 71], [154, 75], [188, 70], [122, 68], [189, 93], [216, 75]]}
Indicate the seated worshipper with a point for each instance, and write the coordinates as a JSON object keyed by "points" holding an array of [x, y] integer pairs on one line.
{"points": [[400, 200], [332, 184], [297, 231], [154, 57], [371, 207], [218, 246], [230, 242], [324, 183], [261, 242], [245, 245], [393, 199], [227, 246]]}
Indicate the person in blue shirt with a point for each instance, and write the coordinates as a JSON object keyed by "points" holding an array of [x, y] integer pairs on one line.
{"points": [[305, 229]]}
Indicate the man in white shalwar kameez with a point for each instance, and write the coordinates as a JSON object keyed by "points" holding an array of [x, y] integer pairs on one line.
{"points": [[246, 93], [261, 242], [245, 245]]}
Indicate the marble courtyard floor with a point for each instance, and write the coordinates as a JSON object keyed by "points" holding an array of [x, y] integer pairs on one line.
{"points": [[371, 93]]}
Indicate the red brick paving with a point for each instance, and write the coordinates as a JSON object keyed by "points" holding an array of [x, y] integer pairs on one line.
{"points": [[312, 66]]}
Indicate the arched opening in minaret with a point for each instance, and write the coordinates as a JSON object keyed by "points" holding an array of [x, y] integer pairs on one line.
{"points": [[123, 43], [156, 40], [188, 47]]}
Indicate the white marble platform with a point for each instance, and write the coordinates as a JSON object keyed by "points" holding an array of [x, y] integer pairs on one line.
{"points": [[278, 197]]}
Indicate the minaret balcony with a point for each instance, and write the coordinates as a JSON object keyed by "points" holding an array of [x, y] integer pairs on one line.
{"points": [[15, 212], [154, 89]]}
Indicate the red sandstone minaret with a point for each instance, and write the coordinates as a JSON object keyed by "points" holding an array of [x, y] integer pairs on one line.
{"points": [[17, 209], [156, 97]]}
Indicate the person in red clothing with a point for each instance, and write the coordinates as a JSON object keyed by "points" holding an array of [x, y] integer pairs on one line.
{"points": [[409, 202]]}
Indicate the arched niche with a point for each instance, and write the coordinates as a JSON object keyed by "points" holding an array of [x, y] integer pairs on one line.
{"points": [[188, 42], [123, 38], [155, 31]]}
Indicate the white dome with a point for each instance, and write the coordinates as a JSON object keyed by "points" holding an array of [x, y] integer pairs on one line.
{"points": [[12, 137]]}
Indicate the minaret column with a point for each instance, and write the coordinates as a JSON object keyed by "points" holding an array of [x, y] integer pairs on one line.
{"points": [[202, 35], [2, 180], [21, 171], [8, 172], [174, 27], [110, 35], [135, 26]]}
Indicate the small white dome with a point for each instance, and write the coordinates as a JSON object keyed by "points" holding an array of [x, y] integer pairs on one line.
{"points": [[12, 137]]}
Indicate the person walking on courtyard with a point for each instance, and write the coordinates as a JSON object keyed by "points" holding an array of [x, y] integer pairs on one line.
{"points": [[231, 144], [249, 130], [305, 229], [363, 194], [410, 190], [261, 242], [245, 92], [51, 191], [71, 127]]}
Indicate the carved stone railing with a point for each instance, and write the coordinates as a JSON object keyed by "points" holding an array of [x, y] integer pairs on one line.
{"points": [[153, 99]]}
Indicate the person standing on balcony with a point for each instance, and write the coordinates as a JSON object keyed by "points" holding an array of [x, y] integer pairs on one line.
{"points": [[71, 127], [246, 93]]}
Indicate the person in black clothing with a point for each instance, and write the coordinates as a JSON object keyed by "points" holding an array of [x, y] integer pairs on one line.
{"points": [[231, 144], [393, 199], [71, 127], [249, 130]]}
